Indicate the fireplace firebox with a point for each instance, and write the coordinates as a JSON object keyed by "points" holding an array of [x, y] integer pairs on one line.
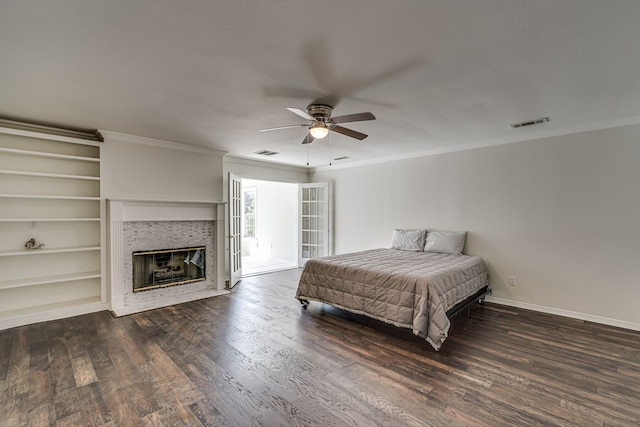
{"points": [[168, 267]]}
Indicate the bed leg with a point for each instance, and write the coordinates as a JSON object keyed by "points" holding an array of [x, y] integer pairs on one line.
{"points": [[469, 312], [482, 299], [304, 303]]}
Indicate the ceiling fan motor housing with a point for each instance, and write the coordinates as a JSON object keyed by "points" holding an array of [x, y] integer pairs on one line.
{"points": [[320, 112]]}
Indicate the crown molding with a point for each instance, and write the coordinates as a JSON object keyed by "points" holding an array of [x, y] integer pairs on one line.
{"points": [[569, 130], [47, 131], [47, 136], [160, 143]]}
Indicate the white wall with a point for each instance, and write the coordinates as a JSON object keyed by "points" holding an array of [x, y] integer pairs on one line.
{"points": [[560, 214], [276, 220], [142, 168]]}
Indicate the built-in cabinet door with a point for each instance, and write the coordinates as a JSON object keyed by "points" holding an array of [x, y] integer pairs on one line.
{"points": [[313, 208], [235, 232]]}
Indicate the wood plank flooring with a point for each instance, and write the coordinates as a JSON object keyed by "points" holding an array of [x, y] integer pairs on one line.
{"points": [[254, 357]]}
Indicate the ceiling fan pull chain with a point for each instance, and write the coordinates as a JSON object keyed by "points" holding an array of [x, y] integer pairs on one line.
{"points": [[330, 149], [307, 154]]}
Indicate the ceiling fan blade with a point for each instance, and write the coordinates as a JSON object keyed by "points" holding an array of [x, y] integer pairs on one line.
{"points": [[282, 127], [349, 132], [359, 117], [308, 139], [301, 113]]}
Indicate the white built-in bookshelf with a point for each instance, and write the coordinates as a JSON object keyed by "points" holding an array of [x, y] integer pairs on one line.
{"points": [[50, 190]]}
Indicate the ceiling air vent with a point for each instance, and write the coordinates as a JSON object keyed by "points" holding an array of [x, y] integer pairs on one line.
{"points": [[342, 158], [266, 153], [529, 123]]}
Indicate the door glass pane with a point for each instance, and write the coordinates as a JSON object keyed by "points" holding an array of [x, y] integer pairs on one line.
{"points": [[313, 220]]}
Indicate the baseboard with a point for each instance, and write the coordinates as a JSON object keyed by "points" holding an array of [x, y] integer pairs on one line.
{"points": [[49, 313], [566, 313]]}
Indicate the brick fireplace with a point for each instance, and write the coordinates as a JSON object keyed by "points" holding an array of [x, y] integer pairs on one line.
{"points": [[136, 226]]}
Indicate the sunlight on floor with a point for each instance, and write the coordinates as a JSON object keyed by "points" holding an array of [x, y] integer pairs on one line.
{"points": [[252, 265]]}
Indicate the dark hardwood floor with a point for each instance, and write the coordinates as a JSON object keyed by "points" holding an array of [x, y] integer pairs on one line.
{"points": [[256, 358]]}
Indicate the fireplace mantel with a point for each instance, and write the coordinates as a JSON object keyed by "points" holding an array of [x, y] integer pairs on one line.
{"points": [[123, 211]]}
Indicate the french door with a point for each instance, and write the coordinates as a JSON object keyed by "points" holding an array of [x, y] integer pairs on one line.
{"points": [[313, 212], [313, 224], [235, 232]]}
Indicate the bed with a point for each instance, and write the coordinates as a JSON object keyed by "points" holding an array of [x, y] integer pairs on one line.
{"points": [[416, 289]]}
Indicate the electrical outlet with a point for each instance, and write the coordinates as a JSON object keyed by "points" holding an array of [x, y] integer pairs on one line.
{"points": [[32, 224], [512, 280]]}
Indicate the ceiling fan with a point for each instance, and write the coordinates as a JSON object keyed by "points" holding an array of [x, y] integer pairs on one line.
{"points": [[321, 122]]}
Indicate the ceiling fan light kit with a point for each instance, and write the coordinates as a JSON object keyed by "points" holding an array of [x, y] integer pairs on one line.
{"points": [[319, 130]]}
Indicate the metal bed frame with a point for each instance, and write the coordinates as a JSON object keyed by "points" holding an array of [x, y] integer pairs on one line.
{"points": [[478, 297], [468, 303]]}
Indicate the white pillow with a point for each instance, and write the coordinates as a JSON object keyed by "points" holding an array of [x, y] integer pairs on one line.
{"points": [[445, 242], [408, 240]]}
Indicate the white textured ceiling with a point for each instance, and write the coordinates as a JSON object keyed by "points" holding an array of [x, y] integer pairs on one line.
{"points": [[439, 75]]}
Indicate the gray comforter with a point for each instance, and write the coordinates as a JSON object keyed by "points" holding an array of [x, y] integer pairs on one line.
{"points": [[407, 289]]}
